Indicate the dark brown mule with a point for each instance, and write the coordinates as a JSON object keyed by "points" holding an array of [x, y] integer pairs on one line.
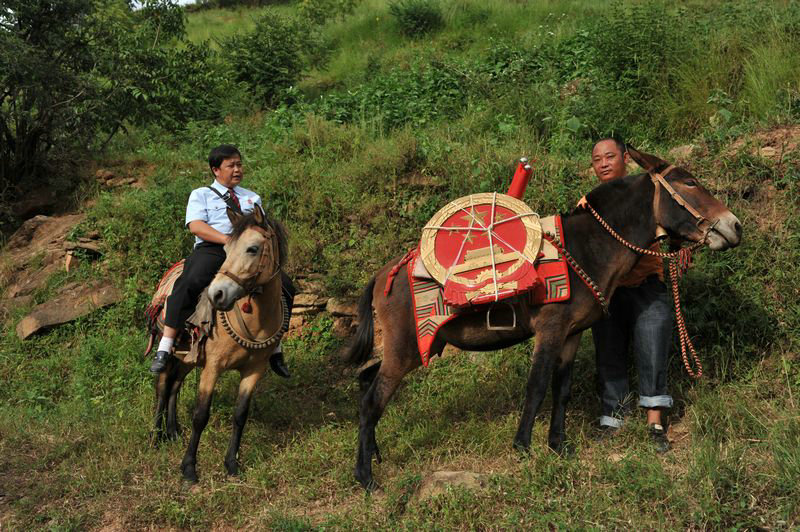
{"points": [[255, 255], [632, 207]]}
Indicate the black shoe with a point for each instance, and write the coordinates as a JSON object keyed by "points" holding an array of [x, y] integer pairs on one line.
{"points": [[278, 365], [159, 362], [659, 437]]}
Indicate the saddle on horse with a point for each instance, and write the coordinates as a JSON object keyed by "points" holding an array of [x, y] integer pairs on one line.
{"points": [[190, 341]]}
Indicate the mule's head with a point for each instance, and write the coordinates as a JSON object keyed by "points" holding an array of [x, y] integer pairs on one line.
{"points": [[685, 209], [255, 253]]}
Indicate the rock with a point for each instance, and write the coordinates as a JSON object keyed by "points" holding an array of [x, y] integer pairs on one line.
{"points": [[295, 322], [116, 182], [341, 307], [85, 244], [682, 153], [309, 286], [438, 482], [300, 310], [310, 300], [73, 302], [768, 152], [343, 327], [103, 175], [33, 252]]}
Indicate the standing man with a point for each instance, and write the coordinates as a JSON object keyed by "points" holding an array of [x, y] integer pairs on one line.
{"points": [[207, 220], [641, 315]]}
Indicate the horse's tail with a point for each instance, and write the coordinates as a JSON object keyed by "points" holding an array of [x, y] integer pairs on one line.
{"points": [[361, 347]]}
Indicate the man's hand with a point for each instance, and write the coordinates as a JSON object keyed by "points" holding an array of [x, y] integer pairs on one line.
{"points": [[207, 233], [582, 203]]}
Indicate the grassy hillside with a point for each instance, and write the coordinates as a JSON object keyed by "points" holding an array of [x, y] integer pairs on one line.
{"points": [[355, 159]]}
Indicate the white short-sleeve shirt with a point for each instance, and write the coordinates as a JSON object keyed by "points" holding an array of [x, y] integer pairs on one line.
{"points": [[204, 205]]}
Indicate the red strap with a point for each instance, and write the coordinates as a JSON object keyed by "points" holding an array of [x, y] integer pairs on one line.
{"points": [[396, 268]]}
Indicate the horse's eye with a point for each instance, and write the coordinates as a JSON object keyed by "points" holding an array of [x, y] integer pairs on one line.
{"points": [[252, 250], [690, 183]]}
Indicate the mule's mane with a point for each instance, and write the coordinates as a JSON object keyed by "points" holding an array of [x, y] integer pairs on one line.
{"points": [[246, 221]]}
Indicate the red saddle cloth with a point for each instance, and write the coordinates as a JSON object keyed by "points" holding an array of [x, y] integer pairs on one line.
{"points": [[432, 310]]}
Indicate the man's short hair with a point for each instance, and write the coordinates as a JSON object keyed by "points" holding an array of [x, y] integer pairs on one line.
{"points": [[220, 153], [620, 145]]}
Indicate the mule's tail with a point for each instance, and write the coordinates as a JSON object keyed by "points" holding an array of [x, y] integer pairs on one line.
{"points": [[361, 347]]}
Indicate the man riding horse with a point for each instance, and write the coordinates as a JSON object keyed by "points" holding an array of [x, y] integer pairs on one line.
{"points": [[207, 219]]}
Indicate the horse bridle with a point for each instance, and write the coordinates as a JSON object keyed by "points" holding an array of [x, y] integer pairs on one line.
{"points": [[703, 223], [249, 283]]}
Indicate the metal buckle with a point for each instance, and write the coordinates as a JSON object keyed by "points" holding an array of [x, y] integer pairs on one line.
{"points": [[491, 327]]}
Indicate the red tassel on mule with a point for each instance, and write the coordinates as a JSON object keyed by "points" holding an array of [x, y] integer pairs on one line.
{"points": [[247, 308]]}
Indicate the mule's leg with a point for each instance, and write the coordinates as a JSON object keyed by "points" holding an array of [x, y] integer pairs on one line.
{"points": [[396, 364], [562, 383], [548, 347], [173, 429], [202, 409], [247, 385]]}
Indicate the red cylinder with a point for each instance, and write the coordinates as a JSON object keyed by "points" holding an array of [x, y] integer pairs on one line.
{"points": [[520, 180]]}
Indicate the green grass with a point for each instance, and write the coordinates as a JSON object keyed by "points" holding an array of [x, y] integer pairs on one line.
{"points": [[76, 403]]}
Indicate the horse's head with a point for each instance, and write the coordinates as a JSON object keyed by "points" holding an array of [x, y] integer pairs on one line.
{"points": [[685, 209], [255, 254]]}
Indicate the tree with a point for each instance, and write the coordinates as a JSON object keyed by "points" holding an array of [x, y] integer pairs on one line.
{"points": [[73, 71]]}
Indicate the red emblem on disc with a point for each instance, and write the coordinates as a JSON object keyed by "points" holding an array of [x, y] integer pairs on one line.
{"points": [[482, 248]]}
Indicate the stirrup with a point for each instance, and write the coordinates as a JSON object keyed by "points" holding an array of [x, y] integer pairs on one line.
{"points": [[491, 327]]}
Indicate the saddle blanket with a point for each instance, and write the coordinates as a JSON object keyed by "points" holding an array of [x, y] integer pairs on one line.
{"points": [[190, 346], [431, 310]]}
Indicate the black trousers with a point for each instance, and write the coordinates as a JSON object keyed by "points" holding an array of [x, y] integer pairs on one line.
{"points": [[198, 272]]}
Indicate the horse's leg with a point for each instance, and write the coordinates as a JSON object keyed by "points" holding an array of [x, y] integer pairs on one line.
{"points": [[250, 377], [562, 382], [173, 429], [398, 360], [548, 348], [202, 409], [162, 390]]}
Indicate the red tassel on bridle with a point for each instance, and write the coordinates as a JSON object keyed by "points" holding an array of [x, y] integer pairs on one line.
{"points": [[247, 307]]}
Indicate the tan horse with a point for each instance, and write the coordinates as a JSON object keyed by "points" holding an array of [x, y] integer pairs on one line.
{"points": [[240, 340]]}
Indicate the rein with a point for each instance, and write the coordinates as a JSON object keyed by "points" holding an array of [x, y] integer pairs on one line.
{"points": [[249, 283], [678, 263]]}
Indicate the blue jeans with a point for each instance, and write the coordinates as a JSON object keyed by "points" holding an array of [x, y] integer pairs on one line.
{"points": [[641, 316]]}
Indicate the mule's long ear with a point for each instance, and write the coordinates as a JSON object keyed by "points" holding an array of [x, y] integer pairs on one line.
{"points": [[233, 216], [650, 163], [258, 214]]}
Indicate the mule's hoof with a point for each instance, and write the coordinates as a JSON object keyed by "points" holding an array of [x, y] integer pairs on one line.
{"points": [[232, 469], [564, 448], [189, 473], [522, 447]]}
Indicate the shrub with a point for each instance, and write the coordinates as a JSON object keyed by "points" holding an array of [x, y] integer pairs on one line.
{"points": [[417, 17], [268, 59]]}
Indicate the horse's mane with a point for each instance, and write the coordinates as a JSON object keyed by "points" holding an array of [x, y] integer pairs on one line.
{"points": [[248, 220]]}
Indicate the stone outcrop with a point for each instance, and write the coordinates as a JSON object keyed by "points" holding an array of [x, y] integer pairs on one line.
{"points": [[32, 254], [74, 301]]}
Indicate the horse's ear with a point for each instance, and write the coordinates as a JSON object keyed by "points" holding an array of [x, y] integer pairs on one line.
{"points": [[258, 214], [650, 163], [233, 215]]}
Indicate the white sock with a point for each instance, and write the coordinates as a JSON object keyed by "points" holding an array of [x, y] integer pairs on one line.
{"points": [[278, 348], [166, 344]]}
